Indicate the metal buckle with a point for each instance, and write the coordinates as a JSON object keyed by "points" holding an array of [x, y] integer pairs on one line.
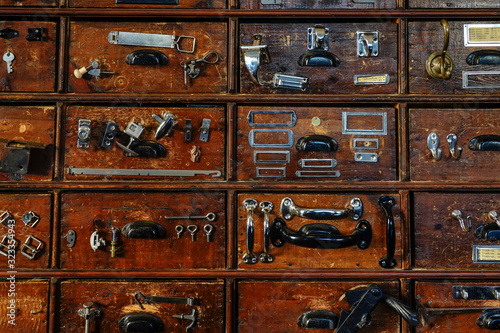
{"points": [[255, 55], [27, 247], [7, 219], [30, 219], [317, 38], [4, 245]]}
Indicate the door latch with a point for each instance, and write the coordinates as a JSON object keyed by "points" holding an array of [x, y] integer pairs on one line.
{"points": [[83, 140]]}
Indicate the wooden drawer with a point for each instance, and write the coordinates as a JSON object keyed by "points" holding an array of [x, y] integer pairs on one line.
{"points": [[442, 306], [275, 306], [466, 124], [177, 158], [34, 126], [303, 4], [89, 42], [286, 42], [426, 38], [33, 71], [85, 213], [115, 299], [453, 4], [28, 3], [24, 303], [440, 241], [160, 4], [269, 139], [31, 252], [325, 255]]}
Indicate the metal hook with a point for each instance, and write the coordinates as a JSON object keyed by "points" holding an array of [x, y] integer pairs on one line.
{"points": [[452, 144], [136, 297], [433, 145], [493, 215], [439, 65], [458, 215]]}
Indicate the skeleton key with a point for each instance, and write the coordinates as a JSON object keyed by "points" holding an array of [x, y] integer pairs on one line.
{"points": [[9, 57], [209, 229], [192, 229]]}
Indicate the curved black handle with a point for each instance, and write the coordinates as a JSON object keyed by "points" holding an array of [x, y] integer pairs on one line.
{"points": [[489, 319], [318, 57], [388, 261], [146, 58], [318, 319], [141, 322], [147, 148], [316, 142], [484, 57], [485, 143], [143, 229], [409, 315], [489, 231], [320, 235]]}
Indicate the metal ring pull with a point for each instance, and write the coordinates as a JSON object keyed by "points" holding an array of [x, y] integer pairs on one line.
{"points": [[289, 210], [249, 257], [266, 207], [439, 65], [458, 215]]}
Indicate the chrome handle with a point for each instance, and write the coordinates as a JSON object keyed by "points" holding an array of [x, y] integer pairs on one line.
{"points": [[266, 207], [289, 210], [249, 257]]}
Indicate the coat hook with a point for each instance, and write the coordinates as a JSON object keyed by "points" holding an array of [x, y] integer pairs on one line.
{"points": [[458, 215], [439, 65], [452, 143], [433, 145]]}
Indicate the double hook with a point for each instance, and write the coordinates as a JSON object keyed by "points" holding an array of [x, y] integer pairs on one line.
{"points": [[439, 65], [437, 153]]}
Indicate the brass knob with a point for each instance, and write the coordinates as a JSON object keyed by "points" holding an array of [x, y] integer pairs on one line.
{"points": [[439, 65]]}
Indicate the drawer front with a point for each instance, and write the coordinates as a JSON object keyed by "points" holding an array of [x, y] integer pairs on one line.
{"points": [[163, 4], [286, 43], [442, 306], [33, 71], [425, 38], [24, 306], [115, 300], [453, 4], [173, 159], [33, 241], [279, 143], [472, 165], [440, 241], [303, 4], [326, 254], [169, 78], [34, 128], [85, 213], [281, 303], [28, 3]]}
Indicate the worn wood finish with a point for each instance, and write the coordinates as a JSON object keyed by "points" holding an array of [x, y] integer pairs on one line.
{"points": [[466, 124], [17, 205], [427, 37], [275, 306], [116, 299], [28, 3], [439, 294], [33, 71], [331, 125], [322, 4], [453, 4], [86, 212], [30, 307], [198, 4], [178, 151], [89, 42], [295, 257], [439, 241], [288, 41], [29, 124]]}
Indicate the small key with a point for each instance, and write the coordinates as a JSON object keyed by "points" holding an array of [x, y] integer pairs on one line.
{"points": [[179, 230], [192, 229], [9, 57], [208, 228]]}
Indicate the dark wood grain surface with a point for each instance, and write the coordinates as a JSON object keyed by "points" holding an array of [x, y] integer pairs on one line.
{"points": [[321, 4]]}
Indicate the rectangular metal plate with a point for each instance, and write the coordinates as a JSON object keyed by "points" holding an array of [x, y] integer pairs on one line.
{"points": [[286, 142], [317, 163], [366, 157], [290, 82], [381, 129], [270, 2], [467, 75], [270, 172], [259, 156], [318, 173], [364, 79], [486, 254], [364, 143], [481, 35], [275, 115]]}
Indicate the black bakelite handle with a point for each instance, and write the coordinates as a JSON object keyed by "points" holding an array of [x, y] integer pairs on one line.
{"points": [[320, 235], [485, 143], [141, 323], [410, 316], [319, 57], [388, 261], [148, 148], [489, 319], [489, 231], [484, 57], [146, 58], [143, 229], [318, 319], [316, 143]]}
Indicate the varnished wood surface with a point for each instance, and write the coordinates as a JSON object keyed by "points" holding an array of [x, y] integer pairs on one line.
{"points": [[293, 257], [456, 4], [323, 4], [195, 4]]}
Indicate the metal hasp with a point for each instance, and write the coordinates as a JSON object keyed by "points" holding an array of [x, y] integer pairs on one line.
{"points": [[89, 313], [317, 46], [143, 230], [162, 299], [290, 82], [35, 34], [485, 143], [455, 151], [489, 231], [191, 317], [30, 251], [167, 123], [142, 172], [30, 219], [96, 241], [254, 56], [249, 257], [439, 65], [367, 42], [205, 130], [192, 68], [484, 57], [266, 207], [8, 33], [458, 215], [317, 142], [146, 57], [16, 159], [289, 210], [320, 235], [141, 322], [109, 135], [433, 145], [150, 40], [83, 137], [318, 319], [388, 261]]}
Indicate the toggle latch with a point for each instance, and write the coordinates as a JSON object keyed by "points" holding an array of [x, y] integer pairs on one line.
{"points": [[150, 40], [93, 70], [367, 43], [317, 46], [255, 55], [140, 148]]}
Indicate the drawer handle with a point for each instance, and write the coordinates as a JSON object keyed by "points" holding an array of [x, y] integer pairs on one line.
{"points": [[388, 261], [316, 143], [146, 58], [484, 57], [318, 319], [485, 143], [141, 322], [489, 231], [489, 319], [250, 257], [317, 45], [439, 65], [147, 148], [320, 235], [254, 56], [289, 210], [143, 229]]}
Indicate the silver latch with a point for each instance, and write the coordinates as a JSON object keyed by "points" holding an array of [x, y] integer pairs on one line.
{"points": [[290, 82], [254, 56], [433, 145], [151, 40], [367, 43], [317, 38], [96, 241], [205, 130], [83, 141], [134, 131]]}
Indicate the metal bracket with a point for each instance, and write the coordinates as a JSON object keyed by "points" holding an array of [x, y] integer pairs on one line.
{"points": [[28, 250], [254, 56], [205, 130], [96, 241], [317, 38], [150, 40], [83, 140], [285, 153], [71, 238], [317, 173], [109, 135], [290, 82], [465, 79], [30, 219], [281, 172], [366, 157], [367, 42], [35, 34], [4, 245], [134, 131]]}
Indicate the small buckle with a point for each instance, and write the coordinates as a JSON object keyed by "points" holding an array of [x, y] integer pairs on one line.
{"points": [[7, 219], [29, 251], [4, 245], [317, 38], [30, 219], [178, 42]]}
